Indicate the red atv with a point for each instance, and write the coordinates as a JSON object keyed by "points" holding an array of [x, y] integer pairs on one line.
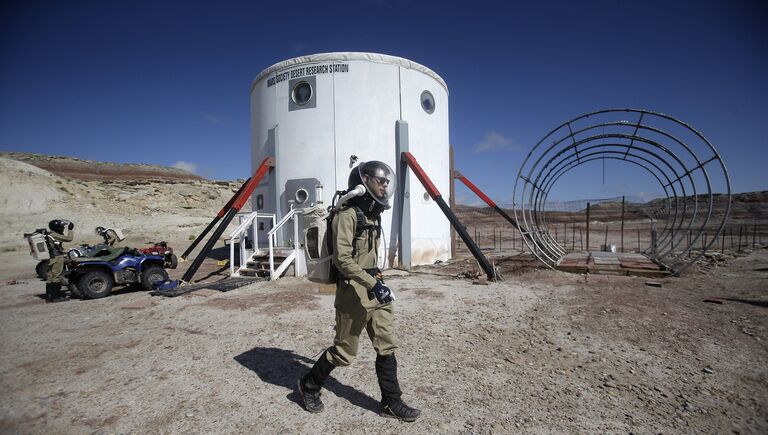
{"points": [[162, 248]]}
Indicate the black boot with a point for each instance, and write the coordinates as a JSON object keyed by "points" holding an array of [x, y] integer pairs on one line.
{"points": [[311, 383], [392, 405], [53, 293], [74, 292]]}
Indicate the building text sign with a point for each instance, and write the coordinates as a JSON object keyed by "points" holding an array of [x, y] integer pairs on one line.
{"points": [[311, 70]]}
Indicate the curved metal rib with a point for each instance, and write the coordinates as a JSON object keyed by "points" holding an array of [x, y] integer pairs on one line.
{"points": [[667, 148]]}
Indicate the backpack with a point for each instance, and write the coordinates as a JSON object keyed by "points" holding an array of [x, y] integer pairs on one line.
{"points": [[318, 240]]}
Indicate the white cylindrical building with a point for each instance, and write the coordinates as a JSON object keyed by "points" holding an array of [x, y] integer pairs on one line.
{"points": [[320, 115]]}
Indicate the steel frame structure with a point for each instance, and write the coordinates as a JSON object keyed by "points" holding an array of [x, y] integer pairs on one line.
{"points": [[667, 148]]}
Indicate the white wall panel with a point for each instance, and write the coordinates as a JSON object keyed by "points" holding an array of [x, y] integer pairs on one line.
{"points": [[358, 99]]}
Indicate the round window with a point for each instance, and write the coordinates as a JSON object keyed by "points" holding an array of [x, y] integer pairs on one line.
{"points": [[301, 196], [426, 196], [301, 93], [427, 102]]}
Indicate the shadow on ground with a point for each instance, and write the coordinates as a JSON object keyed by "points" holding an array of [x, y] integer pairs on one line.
{"points": [[222, 253], [283, 367]]}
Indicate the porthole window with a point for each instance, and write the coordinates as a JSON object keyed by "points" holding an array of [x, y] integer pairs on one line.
{"points": [[301, 93], [425, 196], [427, 102], [301, 196]]}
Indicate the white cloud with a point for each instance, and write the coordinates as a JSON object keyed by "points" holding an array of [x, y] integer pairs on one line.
{"points": [[469, 200], [496, 141], [185, 166], [213, 118]]}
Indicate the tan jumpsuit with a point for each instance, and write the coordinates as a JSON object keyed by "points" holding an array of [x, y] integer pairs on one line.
{"points": [[55, 272], [356, 308]]}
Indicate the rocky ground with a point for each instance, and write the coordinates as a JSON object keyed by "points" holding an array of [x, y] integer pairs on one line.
{"points": [[541, 352]]}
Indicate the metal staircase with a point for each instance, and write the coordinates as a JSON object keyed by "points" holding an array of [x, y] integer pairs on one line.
{"points": [[260, 261]]}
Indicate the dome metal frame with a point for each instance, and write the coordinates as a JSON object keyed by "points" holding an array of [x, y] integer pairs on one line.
{"points": [[665, 147]]}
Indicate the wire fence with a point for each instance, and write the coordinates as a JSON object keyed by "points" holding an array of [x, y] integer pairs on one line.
{"points": [[638, 229]]}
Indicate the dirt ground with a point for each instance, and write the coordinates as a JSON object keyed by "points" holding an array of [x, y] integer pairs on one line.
{"points": [[542, 352]]}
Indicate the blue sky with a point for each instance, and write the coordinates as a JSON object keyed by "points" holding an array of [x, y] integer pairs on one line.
{"points": [[167, 82]]}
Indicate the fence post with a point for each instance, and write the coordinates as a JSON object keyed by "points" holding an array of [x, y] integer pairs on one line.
{"points": [[621, 249], [741, 228], [731, 232], [754, 234], [672, 240], [722, 243], [573, 236], [587, 227], [689, 242], [565, 234]]}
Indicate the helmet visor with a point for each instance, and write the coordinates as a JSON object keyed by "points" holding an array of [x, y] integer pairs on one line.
{"points": [[379, 180]]}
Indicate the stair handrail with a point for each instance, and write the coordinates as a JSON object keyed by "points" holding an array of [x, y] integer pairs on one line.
{"points": [[282, 222], [273, 241], [250, 218], [244, 226], [271, 238]]}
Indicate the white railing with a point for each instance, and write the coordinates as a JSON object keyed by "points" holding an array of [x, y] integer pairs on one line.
{"points": [[245, 254], [295, 255], [240, 233]]}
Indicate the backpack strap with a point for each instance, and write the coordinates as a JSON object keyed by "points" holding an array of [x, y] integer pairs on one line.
{"points": [[361, 226], [360, 222]]}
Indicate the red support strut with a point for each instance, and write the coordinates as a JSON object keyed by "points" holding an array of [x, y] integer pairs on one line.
{"points": [[489, 201], [474, 188], [409, 160], [240, 199]]}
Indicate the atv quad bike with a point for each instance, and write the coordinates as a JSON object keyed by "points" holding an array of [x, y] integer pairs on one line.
{"points": [[95, 275], [162, 248]]}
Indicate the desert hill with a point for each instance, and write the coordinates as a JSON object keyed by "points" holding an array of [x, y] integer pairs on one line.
{"points": [[148, 202], [86, 170]]}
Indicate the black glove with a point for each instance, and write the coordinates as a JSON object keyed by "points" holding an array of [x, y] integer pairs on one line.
{"points": [[383, 293]]}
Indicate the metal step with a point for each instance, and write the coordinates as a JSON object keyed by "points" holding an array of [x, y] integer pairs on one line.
{"points": [[254, 272], [279, 251]]}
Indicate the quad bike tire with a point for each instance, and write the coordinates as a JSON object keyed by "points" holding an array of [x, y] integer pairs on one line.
{"points": [[42, 269], [151, 275], [174, 261], [95, 284]]}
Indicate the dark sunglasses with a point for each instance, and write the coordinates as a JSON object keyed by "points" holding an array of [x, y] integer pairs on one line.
{"points": [[381, 180]]}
